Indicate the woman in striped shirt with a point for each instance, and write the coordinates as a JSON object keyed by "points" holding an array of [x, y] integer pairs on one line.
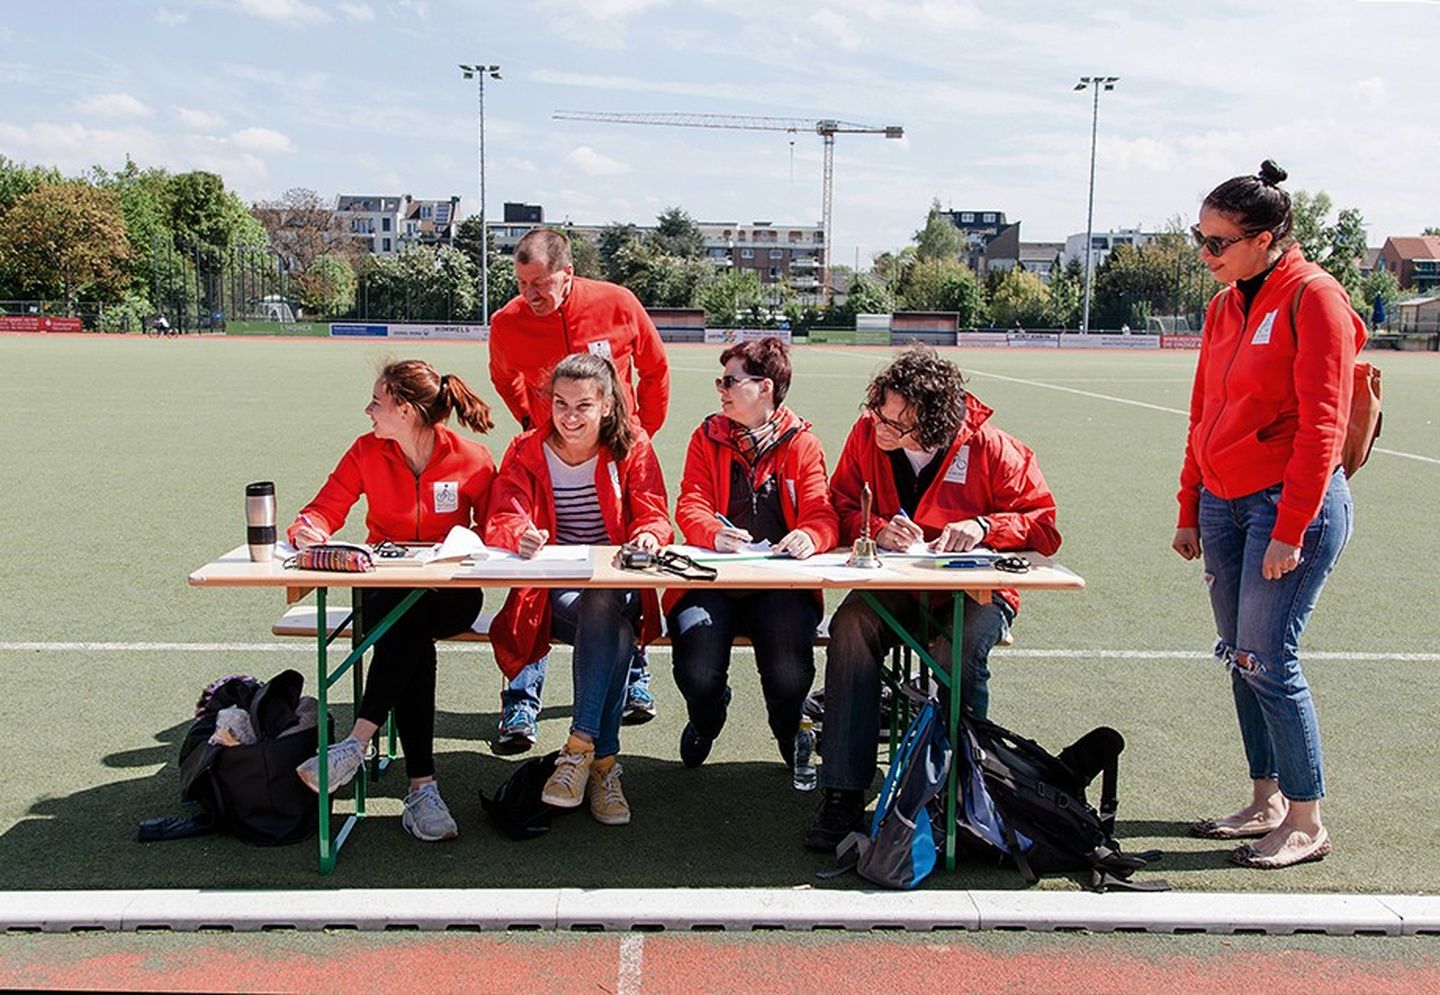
{"points": [[589, 476]]}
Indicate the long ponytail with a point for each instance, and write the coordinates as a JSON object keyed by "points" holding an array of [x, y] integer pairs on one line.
{"points": [[415, 382]]}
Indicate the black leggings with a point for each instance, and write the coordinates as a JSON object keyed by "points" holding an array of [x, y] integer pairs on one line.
{"points": [[402, 669]]}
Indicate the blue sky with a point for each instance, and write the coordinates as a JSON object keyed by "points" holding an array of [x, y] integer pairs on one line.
{"points": [[363, 96]]}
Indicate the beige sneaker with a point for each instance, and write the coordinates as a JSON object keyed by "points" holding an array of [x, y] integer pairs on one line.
{"points": [[607, 800], [566, 787]]}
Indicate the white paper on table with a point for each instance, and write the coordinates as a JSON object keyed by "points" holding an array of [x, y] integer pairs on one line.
{"points": [[825, 566], [550, 561], [704, 553], [921, 550], [460, 544]]}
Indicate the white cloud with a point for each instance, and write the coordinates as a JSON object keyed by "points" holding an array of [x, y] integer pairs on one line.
{"points": [[283, 11], [262, 140], [356, 11], [604, 10], [199, 120], [171, 18], [417, 8], [839, 28], [1372, 92], [113, 105], [592, 163]]}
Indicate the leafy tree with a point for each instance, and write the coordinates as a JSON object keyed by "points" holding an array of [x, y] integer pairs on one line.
{"points": [[939, 238], [585, 254], [1132, 284], [327, 286], [865, 296], [613, 238], [729, 296], [303, 228], [1383, 284], [1021, 298], [676, 234], [144, 197], [418, 284], [66, 240], [17, 179], [1431, 230], [944, 285], [1336, 246], [501, 279], [1067, 294]]}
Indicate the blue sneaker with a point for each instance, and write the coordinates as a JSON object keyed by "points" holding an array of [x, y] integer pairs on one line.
{"points": [[639, 704], [518, 729]]}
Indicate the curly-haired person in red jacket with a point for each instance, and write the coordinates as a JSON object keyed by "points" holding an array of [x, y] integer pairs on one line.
{"points": [[419, 480], [754, 471], [1263, 497], [941, 474]]}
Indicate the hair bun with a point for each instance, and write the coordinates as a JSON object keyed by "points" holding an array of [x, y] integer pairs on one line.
{"points": [[1271, 174]]}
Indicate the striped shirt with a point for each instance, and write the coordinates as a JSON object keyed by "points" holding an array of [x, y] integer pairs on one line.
{"points": [[578, 521]]}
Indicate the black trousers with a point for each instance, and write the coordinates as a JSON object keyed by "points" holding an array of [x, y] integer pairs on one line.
{"points": [[402, 667]]}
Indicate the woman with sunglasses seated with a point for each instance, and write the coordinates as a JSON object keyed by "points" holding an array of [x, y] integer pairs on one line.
{"points": [[754, 473], [419, 479], [1263, 496], [587, 476], [943, 474]]}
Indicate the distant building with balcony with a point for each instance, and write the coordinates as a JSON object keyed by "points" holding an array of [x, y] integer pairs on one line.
{"points": [[1413, 259], [1041, 258], [384, 223], [991, 242], [1102, 243]]}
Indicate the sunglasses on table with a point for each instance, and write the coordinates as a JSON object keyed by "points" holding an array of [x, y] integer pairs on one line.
{"points": [[1214, 244]]}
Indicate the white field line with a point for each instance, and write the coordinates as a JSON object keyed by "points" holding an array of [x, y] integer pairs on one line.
{"points": [[1138, 404], [308, 647], [632, 952]]}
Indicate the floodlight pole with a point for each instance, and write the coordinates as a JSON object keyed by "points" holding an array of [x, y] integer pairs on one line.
{"points": [[478, 72], [1096, 84]]}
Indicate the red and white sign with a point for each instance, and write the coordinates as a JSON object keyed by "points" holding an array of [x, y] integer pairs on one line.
{"points": [[1082, 340], [731, 336], [1179, 342], [39, 323]]}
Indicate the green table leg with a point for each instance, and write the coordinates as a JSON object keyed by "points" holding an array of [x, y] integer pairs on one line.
{"points": [[952, 781]]}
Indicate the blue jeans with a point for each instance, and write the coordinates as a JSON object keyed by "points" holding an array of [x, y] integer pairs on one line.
{"points": [[859, 640], [1259, 623], [526, 687], [781, 626], [600, 624]]}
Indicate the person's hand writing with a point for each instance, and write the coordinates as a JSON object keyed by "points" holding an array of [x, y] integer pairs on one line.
{"points": [[532, 540], [1280, 559], [900, 533], [797, 543], [958, 537], [728, 539], [1187, 543], [307, 533]]}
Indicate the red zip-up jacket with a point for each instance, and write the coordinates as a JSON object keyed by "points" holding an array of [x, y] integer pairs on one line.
{"points": [[798, 460], [632, 500], [453, 489], [1270, 402], [596, 317], [986, 472]]}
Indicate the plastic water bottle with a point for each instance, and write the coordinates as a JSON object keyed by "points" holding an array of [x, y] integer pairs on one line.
{"points": [[806, 776]]}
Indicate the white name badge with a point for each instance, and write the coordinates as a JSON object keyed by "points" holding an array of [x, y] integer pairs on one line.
{"points": [[601, 348], [959, 466], [1262, 333], [447, 496], [615, 482]]}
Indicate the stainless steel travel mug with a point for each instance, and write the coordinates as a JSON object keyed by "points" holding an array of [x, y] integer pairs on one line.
{"points": [[260, 520]]}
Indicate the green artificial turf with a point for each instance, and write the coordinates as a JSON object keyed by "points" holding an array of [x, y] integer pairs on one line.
{"points": [[126, 459]]}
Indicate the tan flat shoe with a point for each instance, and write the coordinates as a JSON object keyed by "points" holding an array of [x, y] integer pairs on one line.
{"points": [[1229, 828], [1299, 848]]}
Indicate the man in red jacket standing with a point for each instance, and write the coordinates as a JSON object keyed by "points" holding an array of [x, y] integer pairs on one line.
{"points": [[555, 314], [942, 475]]}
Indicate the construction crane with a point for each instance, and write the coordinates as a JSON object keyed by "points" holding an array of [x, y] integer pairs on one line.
{"points": [[826, 128]]}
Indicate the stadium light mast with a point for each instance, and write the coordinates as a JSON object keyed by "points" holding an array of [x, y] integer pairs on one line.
{"points": [[478, 73], [1095, 84]]}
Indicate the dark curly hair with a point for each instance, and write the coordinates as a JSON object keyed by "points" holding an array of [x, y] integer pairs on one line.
{"points": [[933, 387]]}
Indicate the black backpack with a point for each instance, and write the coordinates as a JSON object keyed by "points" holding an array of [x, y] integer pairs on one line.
{"points": [[1029, 808], [516, 808], [252, 792]]}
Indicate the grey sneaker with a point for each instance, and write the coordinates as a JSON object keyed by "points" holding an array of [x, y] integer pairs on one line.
{"points": [[426, 817], [346, 759]]}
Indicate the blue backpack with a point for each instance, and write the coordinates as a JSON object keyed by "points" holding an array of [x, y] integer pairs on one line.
{"points": [[900, 849]]}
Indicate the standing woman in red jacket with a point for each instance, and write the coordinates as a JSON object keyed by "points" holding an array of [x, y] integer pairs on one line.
{"points": [[419, 480], [753, 472], [587, 476], [1263, 498]]}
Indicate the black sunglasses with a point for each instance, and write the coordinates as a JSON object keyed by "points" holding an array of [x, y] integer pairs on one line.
{"points": [[1214, 244], [727, 381]]}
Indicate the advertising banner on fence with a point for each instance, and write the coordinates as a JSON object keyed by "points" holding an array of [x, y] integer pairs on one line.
{"points": [[1081, 340], [1179, 342], [986, 339], [472, 333], [39, 323], [1033, 340], [730, 336], [343, 331]]}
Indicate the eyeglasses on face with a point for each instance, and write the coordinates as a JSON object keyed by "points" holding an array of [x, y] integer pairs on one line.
{"points": [[1214, 244], [894, 426], [727, 381]]}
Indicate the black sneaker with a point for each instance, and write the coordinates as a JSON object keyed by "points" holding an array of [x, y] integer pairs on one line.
{"points": [[841, 813], [694, 748]]}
